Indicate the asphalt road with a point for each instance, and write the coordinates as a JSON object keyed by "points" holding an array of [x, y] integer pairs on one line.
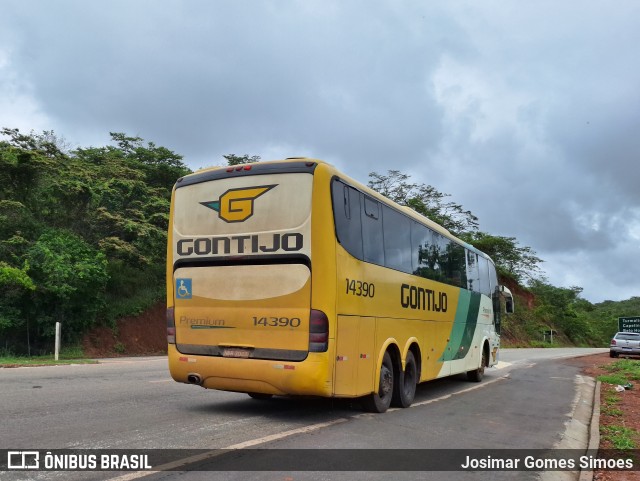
{"points": [[133, 404]]}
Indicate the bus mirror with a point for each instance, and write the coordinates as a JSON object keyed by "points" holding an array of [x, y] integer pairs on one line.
{"points": [[508, 299]]}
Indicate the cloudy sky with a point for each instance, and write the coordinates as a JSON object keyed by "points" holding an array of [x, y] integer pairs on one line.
{"points": [[527, 113]]}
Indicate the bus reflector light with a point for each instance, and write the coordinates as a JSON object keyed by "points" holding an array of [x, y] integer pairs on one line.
{"points": [[171, 326], [318, 331]]}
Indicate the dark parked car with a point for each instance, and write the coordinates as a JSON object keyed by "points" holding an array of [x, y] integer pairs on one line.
{"points": [[625, 343]]}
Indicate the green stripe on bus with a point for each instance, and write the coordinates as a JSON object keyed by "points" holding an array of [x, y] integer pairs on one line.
{"points": [[464, 326]]}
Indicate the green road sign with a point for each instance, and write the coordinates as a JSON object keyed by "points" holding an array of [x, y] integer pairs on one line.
{"points": [[629, 324]]}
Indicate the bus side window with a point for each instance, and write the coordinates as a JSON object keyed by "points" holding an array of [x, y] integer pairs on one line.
{"points": [[485, 286], [473, 274], [346, 213], [426, 253], [451, 259], [457, 269], [397, 244], [372, 240]]}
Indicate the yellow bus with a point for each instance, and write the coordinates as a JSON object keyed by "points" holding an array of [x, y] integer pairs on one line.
{"points": [[290, 278]]}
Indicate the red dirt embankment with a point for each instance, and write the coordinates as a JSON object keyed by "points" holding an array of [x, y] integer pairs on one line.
{"points": [[145, 334]]}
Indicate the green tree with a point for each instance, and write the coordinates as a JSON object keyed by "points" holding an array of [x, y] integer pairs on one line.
{"points": [[561, 307], [512, 260], [424, 199], [98, 215], [603, 316], [131, 188], [16, 287], [17, 227], [161, 166], [70, 278]]}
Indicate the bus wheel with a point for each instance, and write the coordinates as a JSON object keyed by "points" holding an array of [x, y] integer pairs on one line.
{"points": [[259, 395], [379, 402], [405, 388], [477, 374]]}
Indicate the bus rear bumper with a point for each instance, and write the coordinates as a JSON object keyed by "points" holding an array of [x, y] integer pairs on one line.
{"points": [[310, 377]]}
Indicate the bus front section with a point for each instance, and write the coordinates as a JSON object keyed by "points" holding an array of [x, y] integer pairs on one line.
{"points": [[239, 314]]}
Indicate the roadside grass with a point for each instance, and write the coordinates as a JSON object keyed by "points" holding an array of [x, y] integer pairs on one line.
{"points": [[627, 367], [611, 411], [614, 379], [612, 398], [621, 373], [70, 355], [619, 436]]}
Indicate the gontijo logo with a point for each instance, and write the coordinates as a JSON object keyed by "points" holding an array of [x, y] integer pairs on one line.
{"points": [[236, 205]]}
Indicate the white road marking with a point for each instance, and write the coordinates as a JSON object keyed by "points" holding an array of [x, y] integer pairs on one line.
{"points": [[218, 452], [472, 388], [130, 360], [274, 437]]}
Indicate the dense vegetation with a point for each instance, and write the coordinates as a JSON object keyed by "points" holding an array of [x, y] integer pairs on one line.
{"points": [[83, 241], [82, 234]]}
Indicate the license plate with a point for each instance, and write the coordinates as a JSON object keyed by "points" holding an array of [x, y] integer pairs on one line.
{"points": [[236, 352]]}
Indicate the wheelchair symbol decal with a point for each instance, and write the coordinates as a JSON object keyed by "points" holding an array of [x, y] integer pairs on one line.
{"points": [[183, 289]]}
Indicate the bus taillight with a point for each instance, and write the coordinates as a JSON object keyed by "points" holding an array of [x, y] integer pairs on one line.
{"points": [[318, 331], [171, 326]]}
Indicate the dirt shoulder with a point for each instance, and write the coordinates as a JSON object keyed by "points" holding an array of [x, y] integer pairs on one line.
{"points": [[619, 409]]}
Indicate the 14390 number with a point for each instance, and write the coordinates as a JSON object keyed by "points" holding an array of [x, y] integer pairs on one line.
{"points": [[361, 289], [276, 321]]}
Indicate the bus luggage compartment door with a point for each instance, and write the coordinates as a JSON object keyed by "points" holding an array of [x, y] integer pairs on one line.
{"points": [[355, 359]]}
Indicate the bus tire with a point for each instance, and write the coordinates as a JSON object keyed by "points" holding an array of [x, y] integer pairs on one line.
{"points": [[259, 395], [405, 389], [379, 401], [477, 374]]}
